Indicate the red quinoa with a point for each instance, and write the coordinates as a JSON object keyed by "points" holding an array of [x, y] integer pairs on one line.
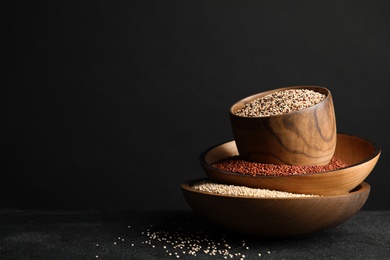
{"points": [[236, 165]]}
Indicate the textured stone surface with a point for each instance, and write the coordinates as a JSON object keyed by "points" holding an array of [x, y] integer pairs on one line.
{"points": [[129, 235]]}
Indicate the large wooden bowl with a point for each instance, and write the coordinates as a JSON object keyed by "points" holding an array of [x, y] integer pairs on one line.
{"points": [[276, 217], [359, 154], [303, 137]]}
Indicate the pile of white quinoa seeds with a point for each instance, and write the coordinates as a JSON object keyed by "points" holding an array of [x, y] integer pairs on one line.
{"points": [[233, 190], [281, 102]]}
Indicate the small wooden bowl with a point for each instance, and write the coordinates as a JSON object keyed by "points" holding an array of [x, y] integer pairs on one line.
{"points": [[359, 154], [303, 137], [276, 217]]}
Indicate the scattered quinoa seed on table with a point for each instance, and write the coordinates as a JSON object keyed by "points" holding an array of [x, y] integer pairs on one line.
{"points": [[179, 240]]}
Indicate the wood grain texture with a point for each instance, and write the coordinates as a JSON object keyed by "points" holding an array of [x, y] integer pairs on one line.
{"points": [[359, 154], [276, 217], [303, 137]]}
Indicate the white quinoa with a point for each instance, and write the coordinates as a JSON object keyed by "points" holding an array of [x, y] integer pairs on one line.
{"points": [[233, 190], [183, 240], [281, 102]]}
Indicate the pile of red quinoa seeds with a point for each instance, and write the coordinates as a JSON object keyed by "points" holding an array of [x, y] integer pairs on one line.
{"points": [[236, 165]]}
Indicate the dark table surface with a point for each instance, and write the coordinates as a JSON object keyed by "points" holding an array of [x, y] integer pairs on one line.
{"points": [[177, 235]]}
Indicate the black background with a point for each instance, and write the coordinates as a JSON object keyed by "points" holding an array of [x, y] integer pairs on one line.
{"points": [[108, 104]]}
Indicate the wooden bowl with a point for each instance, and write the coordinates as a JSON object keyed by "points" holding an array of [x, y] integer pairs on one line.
{"points": [[359, 154], [303, 137], [276, 217]]}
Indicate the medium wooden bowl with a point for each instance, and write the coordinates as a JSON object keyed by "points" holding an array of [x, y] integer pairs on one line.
{"points": [[359, 154], [303, 137], [276, 217]]}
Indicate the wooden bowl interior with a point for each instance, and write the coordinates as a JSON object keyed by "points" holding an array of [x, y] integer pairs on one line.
{"points": [[359, 154], [354, 150], [276, 216], [350, 149]]}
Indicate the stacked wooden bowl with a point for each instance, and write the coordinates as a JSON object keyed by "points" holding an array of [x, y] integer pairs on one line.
{"points": [[304, 137]]}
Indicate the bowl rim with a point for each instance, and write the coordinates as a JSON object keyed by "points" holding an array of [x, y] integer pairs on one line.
{"points": [[377, 151], [361, 188], [328, 95]]}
